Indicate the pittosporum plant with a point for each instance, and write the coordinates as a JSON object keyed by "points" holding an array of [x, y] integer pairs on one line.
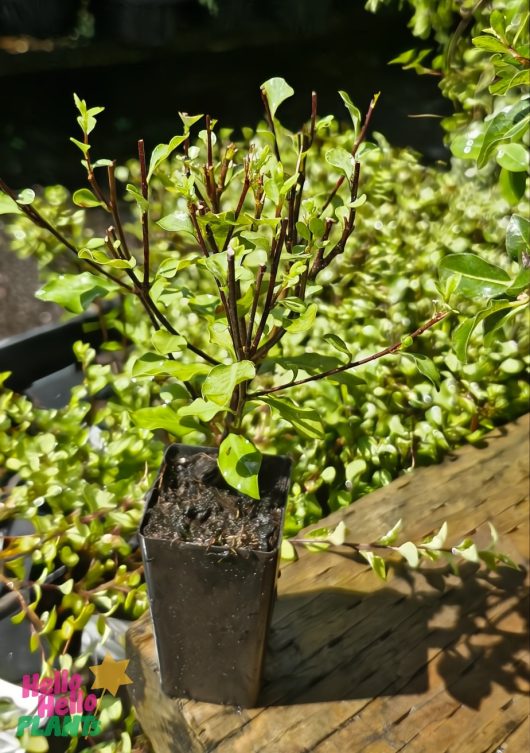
{"points": [[250, 231]]}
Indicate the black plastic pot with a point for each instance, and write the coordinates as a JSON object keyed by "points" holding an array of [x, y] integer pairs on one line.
{"points": [[211, 607], [143, 23], [42, 363], [38, 18]]}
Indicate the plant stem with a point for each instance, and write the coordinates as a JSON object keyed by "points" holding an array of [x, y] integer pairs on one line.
{"points": [[276, 252], [353, 364], [145, 213], [257, 291], [232, 304], [111, 171], [272, 127]]}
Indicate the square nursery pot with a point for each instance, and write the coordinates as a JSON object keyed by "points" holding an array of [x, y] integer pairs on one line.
{"points": [[211, 606]]}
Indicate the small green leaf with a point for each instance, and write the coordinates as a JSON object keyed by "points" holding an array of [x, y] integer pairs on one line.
{"points": [[476, 275], [67, 586], [162, 152], [160, 417], [337, 537], [518, 237], [26, 196], [338, 343], [201, 409], [339, 157], [8, 205], [376, 562], [512, 186], [438, 540], [303, 322], [220, 383], [75, 292], [177, 222], [355, 113], [390, 536], [239, 462], [164, 342], [288, 552], [306, 421], [139, 198], [409, 552], [85, 198], [426, 367], [152, 364], [468, 550], [513, 157], [277, 90], [490, 44]]}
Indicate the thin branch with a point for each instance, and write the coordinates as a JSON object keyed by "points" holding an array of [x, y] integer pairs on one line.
{"points": [[232, 304], [145, 213], [114, 209], [257, 291], [37, 219], [276, 252], [353, 364], [270, 120], [359, 140]]}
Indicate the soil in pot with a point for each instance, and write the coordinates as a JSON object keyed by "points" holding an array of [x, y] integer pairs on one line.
{"points": [[195, 504]]}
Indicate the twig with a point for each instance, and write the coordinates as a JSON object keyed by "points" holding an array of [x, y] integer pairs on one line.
{"points": [[353, 364], [145, 213]]}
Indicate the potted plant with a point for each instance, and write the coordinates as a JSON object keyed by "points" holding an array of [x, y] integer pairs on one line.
{"points": [[228, 300]]}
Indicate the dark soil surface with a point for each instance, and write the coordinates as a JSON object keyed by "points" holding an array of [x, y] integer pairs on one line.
{"points": [[196, 505]]}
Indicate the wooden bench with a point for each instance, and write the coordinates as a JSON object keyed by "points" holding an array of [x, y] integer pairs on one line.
{"points": [[427, 662]]}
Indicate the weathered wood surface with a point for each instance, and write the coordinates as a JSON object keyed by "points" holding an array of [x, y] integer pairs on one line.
{"points": [[425, 663]]}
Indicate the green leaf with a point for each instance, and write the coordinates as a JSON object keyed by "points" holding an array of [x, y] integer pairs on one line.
{"points": [[201, 409], [303, 322], [239, 462], [489, 43], [85, 198], [512, 186], [355, 113], [160, 417], [189, 120], [162, 152], [438, 540], [468, 145], [220, 383], [476, 275], [468, 550], [75, 292], [337, 537], [8, 205], [152, 364], [518, 237], [376, 562], [391, 536], [288, 552], [67, 586], [277, 90], [513, 157], [137, 195], [100, 257], [342, 159], [409, 552], [426, 367], [462, 336], [336, 342], [164, 342], [177, 222], [306, 421], [26, 196]]}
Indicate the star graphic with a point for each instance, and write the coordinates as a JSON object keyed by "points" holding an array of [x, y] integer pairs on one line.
{"points": [[110, 674]]}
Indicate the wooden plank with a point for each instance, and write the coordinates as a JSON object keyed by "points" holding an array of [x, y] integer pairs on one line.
{"points": [[356, 664]]}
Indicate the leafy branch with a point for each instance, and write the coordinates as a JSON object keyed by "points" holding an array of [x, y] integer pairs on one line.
{"points": [[432, 548]]}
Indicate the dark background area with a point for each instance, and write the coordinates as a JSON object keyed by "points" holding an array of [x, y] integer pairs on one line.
{"points": [[145, 60], [144, 68]]}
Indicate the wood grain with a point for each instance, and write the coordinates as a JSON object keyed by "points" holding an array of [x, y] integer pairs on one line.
{"points": [[428, 661]]}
